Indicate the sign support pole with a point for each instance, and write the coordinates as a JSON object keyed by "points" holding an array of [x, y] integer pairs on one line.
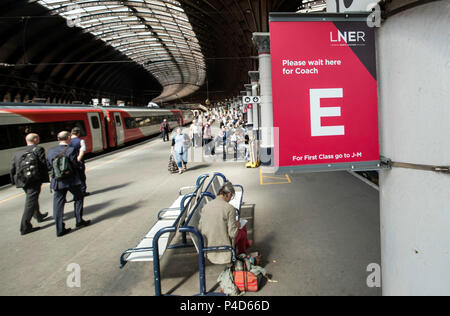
{"points": [[262, 42]]}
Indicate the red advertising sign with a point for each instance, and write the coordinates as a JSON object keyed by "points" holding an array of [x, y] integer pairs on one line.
{"points": [[324, 92]]}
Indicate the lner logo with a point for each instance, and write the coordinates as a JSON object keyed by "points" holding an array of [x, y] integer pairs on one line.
{"points": [[348, 37]]}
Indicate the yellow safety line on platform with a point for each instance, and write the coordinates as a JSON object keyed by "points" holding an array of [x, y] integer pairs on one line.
{"points": [[87, 169], [285, 178], [12, 197], [21, 194]]}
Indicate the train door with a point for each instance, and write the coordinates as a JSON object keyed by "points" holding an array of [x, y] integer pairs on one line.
{"points": [[119, 129], [96, 131]]}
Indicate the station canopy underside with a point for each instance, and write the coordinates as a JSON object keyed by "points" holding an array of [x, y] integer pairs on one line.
{"points": [[154, 34], [135, 51]]}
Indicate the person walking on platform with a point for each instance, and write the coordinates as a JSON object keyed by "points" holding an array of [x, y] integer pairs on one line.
{"points": [[65, 169], [208, 139], [165, 129], [219, 226], [194, 133], [80, 146], [29, 171], [180, 144]]}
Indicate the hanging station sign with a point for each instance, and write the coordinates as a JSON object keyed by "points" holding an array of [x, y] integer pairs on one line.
{"points": [[324, 92], [251, 99]]}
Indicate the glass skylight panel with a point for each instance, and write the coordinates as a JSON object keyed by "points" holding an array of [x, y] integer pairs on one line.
{"points": [[151, 2], [138, 28], [175, 7]]}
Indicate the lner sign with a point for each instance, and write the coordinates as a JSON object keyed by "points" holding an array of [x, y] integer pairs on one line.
{"points": [[324, 92]]}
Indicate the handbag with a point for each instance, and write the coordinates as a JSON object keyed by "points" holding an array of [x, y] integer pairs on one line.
{"points": [[172, 167]]}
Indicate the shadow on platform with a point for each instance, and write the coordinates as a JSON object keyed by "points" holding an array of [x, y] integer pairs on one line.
{"points": [[107, 189]]}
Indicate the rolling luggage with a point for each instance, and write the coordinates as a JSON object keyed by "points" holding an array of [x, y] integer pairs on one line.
{"points": [[172, 164]]}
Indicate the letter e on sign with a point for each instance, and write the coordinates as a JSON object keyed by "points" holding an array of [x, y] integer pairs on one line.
{"points": [[318, 112]]}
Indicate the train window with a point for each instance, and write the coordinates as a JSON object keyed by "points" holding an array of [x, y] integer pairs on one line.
{"points": [[17, 135], [67, 126], [80, 125], [4, 139], [119, 123], [129, 122], [95, 122], [47, 131], [142, 121]]}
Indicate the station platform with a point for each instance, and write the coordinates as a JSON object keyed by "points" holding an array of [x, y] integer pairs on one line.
{"points": [[317, 232]]}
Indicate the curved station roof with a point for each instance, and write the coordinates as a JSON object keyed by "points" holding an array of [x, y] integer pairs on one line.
{"points": [[135, 51], [154, 34]]}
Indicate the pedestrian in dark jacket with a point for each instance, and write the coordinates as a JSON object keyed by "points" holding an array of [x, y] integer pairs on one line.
{"points": [[165, 129], [71, 183], [30, 185], [80, 146]]}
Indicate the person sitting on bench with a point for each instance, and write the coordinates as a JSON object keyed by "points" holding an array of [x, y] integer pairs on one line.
{"points": [[219, 227]]}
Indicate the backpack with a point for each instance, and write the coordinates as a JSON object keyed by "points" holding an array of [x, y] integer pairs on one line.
{"points": [[62, 168], [28, 168]]}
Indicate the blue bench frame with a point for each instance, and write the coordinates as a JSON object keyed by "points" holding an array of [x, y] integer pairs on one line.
{"points": [[181, 225]]}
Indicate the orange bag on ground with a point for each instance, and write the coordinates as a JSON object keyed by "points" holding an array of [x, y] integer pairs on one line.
{"points": [[246, 281]]}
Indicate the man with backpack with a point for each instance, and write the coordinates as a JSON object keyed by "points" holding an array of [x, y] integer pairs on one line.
{"points": [[65, 169], [29, 171]]}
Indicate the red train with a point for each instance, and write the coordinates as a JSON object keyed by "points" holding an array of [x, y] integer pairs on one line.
{"points": [[101, 127]]}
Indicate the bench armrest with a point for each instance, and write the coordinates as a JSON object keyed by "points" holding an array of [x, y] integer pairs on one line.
{"points": [[123, 261], [191, 188], [222, 248], [164, 210], [154, 248], [240, 187]]}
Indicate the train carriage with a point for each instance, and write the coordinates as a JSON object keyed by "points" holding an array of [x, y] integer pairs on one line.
{"points": [[17, 121], [101, 127], [125, 125]]}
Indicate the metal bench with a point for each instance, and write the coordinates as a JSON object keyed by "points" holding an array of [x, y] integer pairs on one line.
{"points": [[154, 241], [183, 219], [170, 218]]}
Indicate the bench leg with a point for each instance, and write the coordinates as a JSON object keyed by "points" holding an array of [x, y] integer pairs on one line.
{"points": [[157, 275], [201, 270]]}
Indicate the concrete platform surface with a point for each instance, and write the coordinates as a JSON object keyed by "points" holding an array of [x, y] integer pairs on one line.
{"points": [[317, 232]]}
